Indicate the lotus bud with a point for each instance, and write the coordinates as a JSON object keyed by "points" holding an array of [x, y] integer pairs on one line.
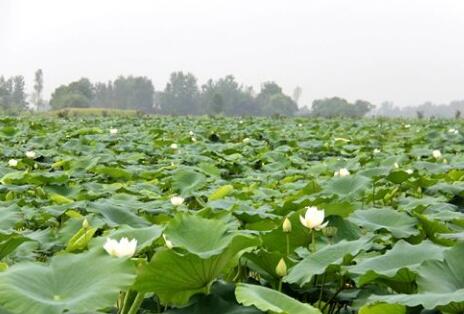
{"points": [[287, 225], [281, 268], [169, 244], [85, 224]]}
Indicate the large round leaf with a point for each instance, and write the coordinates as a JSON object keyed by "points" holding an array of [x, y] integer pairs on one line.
{"points": [[402, 255], [399, 224], [440, 284], [198, 235], [187, 180], [316, 263], [176, 277], [77, 283], [270, 300], [347, 186]]}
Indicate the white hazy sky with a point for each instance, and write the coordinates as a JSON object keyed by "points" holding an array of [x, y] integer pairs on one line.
{"points": [[406, 51]]}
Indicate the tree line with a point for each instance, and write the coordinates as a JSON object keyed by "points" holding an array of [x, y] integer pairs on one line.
{"points": [[182, 95], [425, 110]]}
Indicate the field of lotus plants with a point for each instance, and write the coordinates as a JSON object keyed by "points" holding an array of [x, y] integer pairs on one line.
{"points": [[183, 215]]}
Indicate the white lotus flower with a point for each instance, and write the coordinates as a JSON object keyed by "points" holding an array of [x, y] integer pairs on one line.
{"points": [[241, 121], [313, 218], [169, 244], [123, 248], [376, 151], [409, 171], [31, 154], [407, 126], [300, 125], [173, 146], [453, 131], [436, 154], [191, 133], [342, 172], [246, 140], [177, 200], [194, 139], [113, 131], [396, 165], [12, 162]]}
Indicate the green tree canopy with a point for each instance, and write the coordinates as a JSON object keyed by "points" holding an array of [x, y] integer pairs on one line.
{"points": [[228, 97], [181, 95], [273, 101], [77, 94], [336, 106]]}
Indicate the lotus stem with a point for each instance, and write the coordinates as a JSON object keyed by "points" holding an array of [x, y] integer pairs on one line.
{"points": [[287, 237], [137, 303], [313, 240]]}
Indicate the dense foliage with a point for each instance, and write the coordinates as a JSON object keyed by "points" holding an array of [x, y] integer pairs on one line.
{"points": [[12, 94], [182, 95], [214, 206]]}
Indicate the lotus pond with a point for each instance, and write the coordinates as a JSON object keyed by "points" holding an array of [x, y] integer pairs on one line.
{"points": [[184, 215]]}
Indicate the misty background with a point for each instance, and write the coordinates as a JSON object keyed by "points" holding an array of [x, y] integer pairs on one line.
{"points": [[399, 53]]}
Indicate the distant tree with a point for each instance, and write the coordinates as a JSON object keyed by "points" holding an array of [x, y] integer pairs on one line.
{"points": [[6, 89], [18, 95], [38, 88], [388, 109], [457, 115], [77, 94], [133, 93], [297, 94], [181, 95], [280, 104], [218, 104], [361, 108], [339, 107], [304, 111], [272, 101], [103, 95], [227, 96]]}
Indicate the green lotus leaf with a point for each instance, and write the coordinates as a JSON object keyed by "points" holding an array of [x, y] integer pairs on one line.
{"points": [[316, 263], [221, 192], [9, 242], [175, 277], [383, 308], [77, 283], [186, 180], [270, 300], [402, 255], [351, 185], [221, 300], [200, 236], [399, 224], [440, 284]]}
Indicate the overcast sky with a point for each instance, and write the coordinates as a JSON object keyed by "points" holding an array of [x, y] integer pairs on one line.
{"points": [[406, 51]]}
